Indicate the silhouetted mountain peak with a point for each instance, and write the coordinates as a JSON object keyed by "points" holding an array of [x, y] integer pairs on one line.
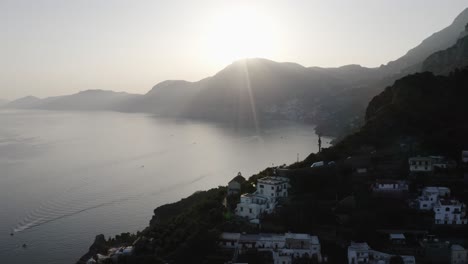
{"points": [[99, 92], [168, 84], [259, 63], [95, 91]]}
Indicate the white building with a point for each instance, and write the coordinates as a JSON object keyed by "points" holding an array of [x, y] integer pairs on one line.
{"points": [[362, 253], [229, 240], [458, 255], [265, 198], [442, 162], [273, 187], [302, 245], [428, 164], [112, 256], [393, 186], [430, 196], [420, 164], [397, 238], [252, 206], [465, 156], [284, 247], [450, 212]]}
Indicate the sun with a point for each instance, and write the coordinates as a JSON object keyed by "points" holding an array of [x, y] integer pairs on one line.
{"points": [[238, 32]]}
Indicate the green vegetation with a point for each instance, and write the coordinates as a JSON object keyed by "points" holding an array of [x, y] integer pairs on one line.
{"points": [[186, 231], [424, 112]]}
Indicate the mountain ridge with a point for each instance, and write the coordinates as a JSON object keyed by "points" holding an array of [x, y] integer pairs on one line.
{"points": [[250, 91], [443, 39], [87, 100], [445, 61]]}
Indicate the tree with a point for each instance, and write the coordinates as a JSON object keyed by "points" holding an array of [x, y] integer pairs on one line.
{"points": [[396, 260]]}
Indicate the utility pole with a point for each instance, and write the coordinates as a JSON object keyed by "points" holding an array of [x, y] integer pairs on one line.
{"points": [[320, 142]]}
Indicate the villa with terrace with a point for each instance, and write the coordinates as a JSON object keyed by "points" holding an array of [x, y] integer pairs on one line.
{"points": [[264, 200]]}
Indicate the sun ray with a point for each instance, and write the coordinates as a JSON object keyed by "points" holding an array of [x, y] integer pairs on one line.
{"points": [[239, 32]]}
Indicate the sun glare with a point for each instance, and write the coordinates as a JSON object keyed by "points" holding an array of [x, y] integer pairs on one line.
{"points": [[239, 32]]}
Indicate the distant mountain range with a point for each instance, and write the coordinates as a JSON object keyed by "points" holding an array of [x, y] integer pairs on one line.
{"points": [[252, 91], [90, 100]]}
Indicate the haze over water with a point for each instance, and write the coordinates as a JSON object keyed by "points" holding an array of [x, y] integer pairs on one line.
{"points": [[68, 176]]}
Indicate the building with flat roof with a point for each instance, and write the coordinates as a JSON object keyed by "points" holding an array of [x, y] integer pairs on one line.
{"points": [[390, 186], [264, 200], [428, 164], [420, 164], [284, 247], [430, 196], [465, 156], [362, 253], [450, 212]]}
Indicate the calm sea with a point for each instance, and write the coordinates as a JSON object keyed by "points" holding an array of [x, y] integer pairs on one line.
{"points": [[67, 176]]}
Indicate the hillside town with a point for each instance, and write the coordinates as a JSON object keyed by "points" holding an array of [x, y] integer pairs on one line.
{"points": [[393, 189], [430, 198]]}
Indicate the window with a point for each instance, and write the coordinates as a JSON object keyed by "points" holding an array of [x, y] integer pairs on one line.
{"points": [[447, 209], [272, 187], [272, 194], [250, 210], [242, 209], [261, 186]]}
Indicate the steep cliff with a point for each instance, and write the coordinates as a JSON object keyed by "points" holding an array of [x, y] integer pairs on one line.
{"points": [[455, 57], [430, 108]]}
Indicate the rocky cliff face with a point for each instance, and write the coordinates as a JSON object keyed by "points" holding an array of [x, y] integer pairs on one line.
{"points": [[99, 246], [424, 106], [443, 62], [412, 61]]}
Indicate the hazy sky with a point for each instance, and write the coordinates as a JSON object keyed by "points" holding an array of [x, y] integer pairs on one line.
{"points": [[56, 47]]}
